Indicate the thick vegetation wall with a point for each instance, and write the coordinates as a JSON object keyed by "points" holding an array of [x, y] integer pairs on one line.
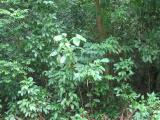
{"points": [[79, 59]]}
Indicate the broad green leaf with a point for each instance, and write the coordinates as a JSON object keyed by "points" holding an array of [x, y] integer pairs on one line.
{"points": [[76, 41], [105, 60], [64, 34], [63, 59], [54, 53], [58, 38], [96, 100], [3, 11], [80, 37]]}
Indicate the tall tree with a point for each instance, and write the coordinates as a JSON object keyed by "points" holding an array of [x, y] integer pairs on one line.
{"points": [[99, 20]]}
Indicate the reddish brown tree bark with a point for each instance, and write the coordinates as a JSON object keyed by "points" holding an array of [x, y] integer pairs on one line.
{"points": [[99, 20]]}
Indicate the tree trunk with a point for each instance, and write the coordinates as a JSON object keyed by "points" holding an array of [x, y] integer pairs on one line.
{"points": [[99, 21]]}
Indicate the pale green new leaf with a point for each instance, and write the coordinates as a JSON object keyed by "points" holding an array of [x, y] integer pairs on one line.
{"points": [[76, 41], [80, 37]]}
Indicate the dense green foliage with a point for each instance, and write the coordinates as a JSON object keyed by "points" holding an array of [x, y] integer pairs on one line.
{"points": [[79, 59]]}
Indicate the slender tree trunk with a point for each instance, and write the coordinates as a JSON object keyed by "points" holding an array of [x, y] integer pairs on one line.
{"points": [[99, 20], [102, 31]]}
